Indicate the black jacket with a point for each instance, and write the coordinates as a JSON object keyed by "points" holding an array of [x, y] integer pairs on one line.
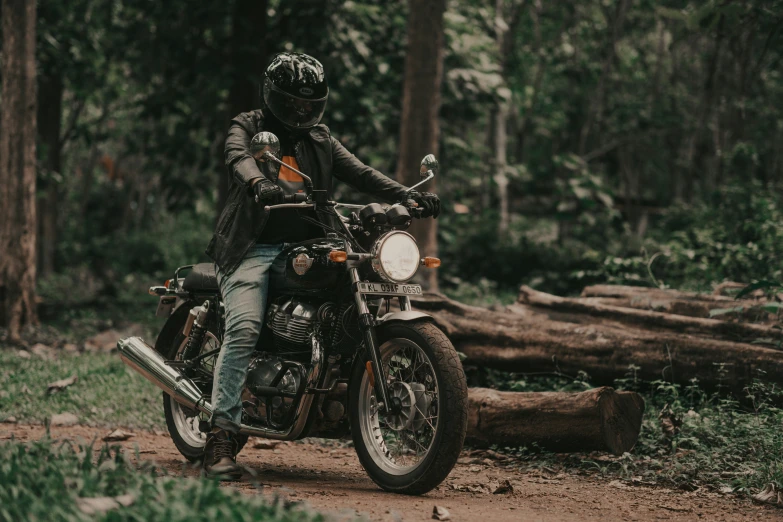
{"points": [[318, 154]]}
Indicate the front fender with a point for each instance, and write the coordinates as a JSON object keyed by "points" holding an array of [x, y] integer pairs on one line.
{"points": [[402, 316]]}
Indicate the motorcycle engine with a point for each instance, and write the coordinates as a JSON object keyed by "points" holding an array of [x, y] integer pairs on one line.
{"points": [[262, 370], [293, 321]]}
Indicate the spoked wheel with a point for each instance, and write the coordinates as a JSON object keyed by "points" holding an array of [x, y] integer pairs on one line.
{"points": [[183, 422], [413, 449]]}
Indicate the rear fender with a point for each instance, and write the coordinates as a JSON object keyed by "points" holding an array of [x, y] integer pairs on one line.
{"points": [[173, 326]]}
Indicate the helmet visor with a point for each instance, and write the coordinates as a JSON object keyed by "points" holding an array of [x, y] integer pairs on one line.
{"points": [[291, 110]]}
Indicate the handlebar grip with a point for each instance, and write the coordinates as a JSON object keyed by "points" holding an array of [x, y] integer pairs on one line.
{"points": [[299, 197]]}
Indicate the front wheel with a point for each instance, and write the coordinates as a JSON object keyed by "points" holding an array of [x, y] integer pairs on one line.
{"points": [[413, 450]]}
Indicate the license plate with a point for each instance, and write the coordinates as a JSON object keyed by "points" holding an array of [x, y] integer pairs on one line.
{"points": [[165, 305], [389, 289]]}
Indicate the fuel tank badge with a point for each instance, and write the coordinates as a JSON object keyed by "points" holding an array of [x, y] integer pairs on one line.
{"points": [[302, 264]]}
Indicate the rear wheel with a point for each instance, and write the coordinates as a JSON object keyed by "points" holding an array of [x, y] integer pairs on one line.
{"points": [[413, 450], [183, 422]]}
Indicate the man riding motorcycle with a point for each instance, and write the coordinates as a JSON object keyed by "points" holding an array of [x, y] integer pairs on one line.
{"points": [[247, 238]]}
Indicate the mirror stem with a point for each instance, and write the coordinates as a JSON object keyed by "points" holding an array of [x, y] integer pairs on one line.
{"points": [[308, 181], [430, 175]]}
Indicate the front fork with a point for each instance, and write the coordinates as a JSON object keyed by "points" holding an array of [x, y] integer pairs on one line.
{"points": [[367, 326]]}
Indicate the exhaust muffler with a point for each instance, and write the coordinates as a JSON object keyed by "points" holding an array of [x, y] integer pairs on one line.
{"points": [[144, 359]]}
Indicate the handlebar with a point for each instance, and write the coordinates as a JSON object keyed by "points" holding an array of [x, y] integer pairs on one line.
{"points": [[267, 208], [300, 201]]}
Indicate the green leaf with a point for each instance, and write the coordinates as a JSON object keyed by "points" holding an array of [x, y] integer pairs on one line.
{"points": [[772, 308], [756, 286], [723, 311]]}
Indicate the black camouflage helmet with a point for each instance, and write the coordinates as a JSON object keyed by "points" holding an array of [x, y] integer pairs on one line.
{"points": [[295, 90]]}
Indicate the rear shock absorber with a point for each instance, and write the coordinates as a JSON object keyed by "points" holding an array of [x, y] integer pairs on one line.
{"points": [[195, 328]]}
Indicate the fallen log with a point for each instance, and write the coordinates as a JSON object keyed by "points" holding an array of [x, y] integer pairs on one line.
{"points": [[633, 291], [600, 419], [690, 325], [675, 302], [532, 340]]}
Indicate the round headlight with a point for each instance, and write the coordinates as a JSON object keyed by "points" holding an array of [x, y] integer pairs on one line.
{"points": [[396, 257]]}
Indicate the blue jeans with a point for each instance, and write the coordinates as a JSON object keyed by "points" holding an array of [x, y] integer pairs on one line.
{"points": [[244, 293]]}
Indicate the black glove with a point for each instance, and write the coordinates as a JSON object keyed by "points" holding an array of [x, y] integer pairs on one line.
{"points": [[267, 192], [427, 201]]}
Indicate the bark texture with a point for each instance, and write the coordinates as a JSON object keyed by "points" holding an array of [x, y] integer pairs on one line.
{"points": [[715, 328], [544, 339], [600, 419], [419, 126], [674, 301], [17, 167]]}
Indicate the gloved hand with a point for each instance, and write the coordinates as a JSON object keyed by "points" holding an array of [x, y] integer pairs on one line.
{"points": [[427, 201], [267, 192]]}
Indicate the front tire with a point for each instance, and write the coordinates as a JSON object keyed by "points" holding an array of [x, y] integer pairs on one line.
{"points": [[414, 451]]}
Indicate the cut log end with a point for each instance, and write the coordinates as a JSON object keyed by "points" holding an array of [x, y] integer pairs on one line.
{"points": [[621, 419]]}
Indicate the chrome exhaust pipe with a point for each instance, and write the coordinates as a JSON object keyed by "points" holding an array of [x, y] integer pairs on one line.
{"points": [[144, 359]]}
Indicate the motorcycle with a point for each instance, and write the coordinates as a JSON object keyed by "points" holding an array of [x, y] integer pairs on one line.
{"points": [[333, 358]]}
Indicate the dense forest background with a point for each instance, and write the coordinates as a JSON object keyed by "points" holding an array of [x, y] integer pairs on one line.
{"points": [[629, 141]]}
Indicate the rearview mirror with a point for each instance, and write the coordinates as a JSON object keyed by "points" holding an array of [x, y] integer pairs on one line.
{"points": [[262, 144], [429, 163]]}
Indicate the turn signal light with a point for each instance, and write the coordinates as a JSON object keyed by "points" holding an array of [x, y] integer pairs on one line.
{"points": [[167, 283], [338, 256], [431, 262]]}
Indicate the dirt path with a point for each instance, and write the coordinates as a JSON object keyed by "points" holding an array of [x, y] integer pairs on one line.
{"points": [[330, 479]]}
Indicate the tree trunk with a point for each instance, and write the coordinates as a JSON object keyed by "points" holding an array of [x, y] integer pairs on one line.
{"points": [[248, 57], [500, 164], [533, 340], [50, 97], [419, 126], [499, 123], [523, 127], [600, 419], [17, 167]]}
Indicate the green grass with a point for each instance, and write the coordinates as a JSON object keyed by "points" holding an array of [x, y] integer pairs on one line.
{"points": [[484, 293], [44, 480], [722, 442], [106, 393]]}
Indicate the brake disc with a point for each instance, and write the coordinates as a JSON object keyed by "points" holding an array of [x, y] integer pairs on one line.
{"points": [[422, 405], [404, 417]]}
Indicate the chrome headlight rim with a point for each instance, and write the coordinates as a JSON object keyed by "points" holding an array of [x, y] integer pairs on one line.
{"points": [[377, 266]]}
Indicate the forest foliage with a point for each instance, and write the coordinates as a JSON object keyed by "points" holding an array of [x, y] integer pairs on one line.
{"points": [[628, 141]]}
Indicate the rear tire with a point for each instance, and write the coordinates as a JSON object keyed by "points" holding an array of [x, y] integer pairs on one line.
{"points": [[449, 412], [182, 422]]}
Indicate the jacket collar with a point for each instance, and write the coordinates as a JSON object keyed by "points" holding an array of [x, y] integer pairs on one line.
{"points": [[320, 133]]}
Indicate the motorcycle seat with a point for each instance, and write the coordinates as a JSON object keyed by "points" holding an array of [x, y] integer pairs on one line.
{"points": [[201, 277]]}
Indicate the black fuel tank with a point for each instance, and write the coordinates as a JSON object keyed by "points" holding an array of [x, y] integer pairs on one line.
{"points": [[305, 269]]}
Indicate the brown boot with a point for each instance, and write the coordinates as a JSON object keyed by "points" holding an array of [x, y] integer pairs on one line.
{"points": [[220, 456]]}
